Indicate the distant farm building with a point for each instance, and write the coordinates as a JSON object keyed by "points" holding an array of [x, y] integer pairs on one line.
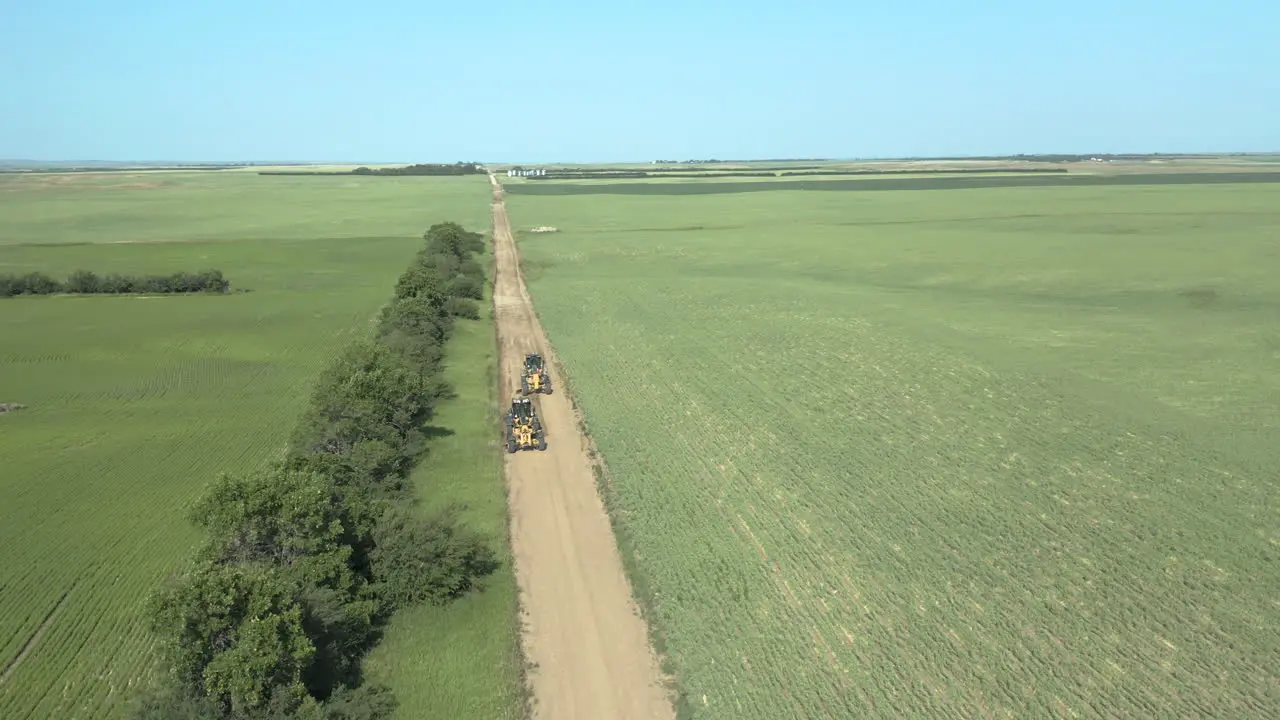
{"points": [[521, 172]]}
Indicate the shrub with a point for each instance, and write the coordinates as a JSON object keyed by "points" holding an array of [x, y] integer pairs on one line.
{"points": [[463, 308], [366, 702], [416, 560], [470, 268], [444, 264], [174, 702], [118, 284], [462, 286]]}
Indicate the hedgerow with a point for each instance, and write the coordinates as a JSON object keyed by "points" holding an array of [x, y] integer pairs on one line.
{"points": [[306, 558], [432, 169], [84, 282]]}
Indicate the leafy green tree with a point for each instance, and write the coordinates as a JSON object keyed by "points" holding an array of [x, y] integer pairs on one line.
{"points": [[369, 407], [83, 282], [420, 281], [417, 329], [293, 519], [36, 283], [320, 537], [455, 239], [212, 281], [234, 634]]}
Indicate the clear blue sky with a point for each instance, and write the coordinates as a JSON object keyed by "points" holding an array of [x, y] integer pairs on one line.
{"points": [[540, 81]]}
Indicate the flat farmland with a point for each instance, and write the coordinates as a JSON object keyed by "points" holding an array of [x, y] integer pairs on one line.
{"points": [[134, 404], [922, 180], [991, 452]]}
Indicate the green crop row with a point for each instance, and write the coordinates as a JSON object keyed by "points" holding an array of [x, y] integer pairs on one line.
{"points": [[308, 557]]}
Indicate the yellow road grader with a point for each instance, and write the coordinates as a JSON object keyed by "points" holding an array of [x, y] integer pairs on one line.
{"points": [[524, 429], [535, 378]]}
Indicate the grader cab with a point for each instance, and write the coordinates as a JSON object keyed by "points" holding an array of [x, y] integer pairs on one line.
{"points": [[524, 429], [535, 378]]}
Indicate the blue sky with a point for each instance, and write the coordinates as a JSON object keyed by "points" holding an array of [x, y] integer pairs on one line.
{"points": [[543, 81]]}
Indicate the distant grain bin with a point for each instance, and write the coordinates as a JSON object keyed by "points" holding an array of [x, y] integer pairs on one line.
{"points": [[523, 172]]}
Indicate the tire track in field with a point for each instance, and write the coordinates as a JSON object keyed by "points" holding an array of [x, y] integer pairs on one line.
{"points": [[34, 640], [581, 629]]}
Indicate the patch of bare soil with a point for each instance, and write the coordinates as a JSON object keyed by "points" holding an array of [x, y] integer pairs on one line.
{"points": [[10, 407], [582, 631]]}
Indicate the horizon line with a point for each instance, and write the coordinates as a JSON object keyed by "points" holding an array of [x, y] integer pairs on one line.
{"points": [[886, 158]]}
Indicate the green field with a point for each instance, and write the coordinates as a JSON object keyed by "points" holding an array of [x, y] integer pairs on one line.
{"points": [[134, 404], [711, 185], [1001, 452]]}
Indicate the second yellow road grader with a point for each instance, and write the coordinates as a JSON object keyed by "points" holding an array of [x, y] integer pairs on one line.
{"points": [[535, 378]]}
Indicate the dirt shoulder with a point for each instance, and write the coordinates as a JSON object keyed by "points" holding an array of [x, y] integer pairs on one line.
{"points": [[582, 633]]}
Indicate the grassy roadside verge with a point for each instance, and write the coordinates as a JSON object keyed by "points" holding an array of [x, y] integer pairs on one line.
{"points": [[461, 660]]}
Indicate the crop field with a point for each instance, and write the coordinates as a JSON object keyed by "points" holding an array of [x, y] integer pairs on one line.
{"points": [[711, 185], [998, 452], [133, 404]]}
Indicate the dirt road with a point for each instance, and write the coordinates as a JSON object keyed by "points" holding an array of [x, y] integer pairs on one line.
{"points": [[582, 632]]}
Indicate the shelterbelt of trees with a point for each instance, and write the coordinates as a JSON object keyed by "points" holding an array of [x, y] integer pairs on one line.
{"points": [[84, 282], [306, 559], [458, 168]]}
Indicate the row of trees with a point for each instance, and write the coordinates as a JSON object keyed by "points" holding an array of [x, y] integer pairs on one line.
{"points": [[458, 168], [308, 557], [84, 282], [434, 169]]}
